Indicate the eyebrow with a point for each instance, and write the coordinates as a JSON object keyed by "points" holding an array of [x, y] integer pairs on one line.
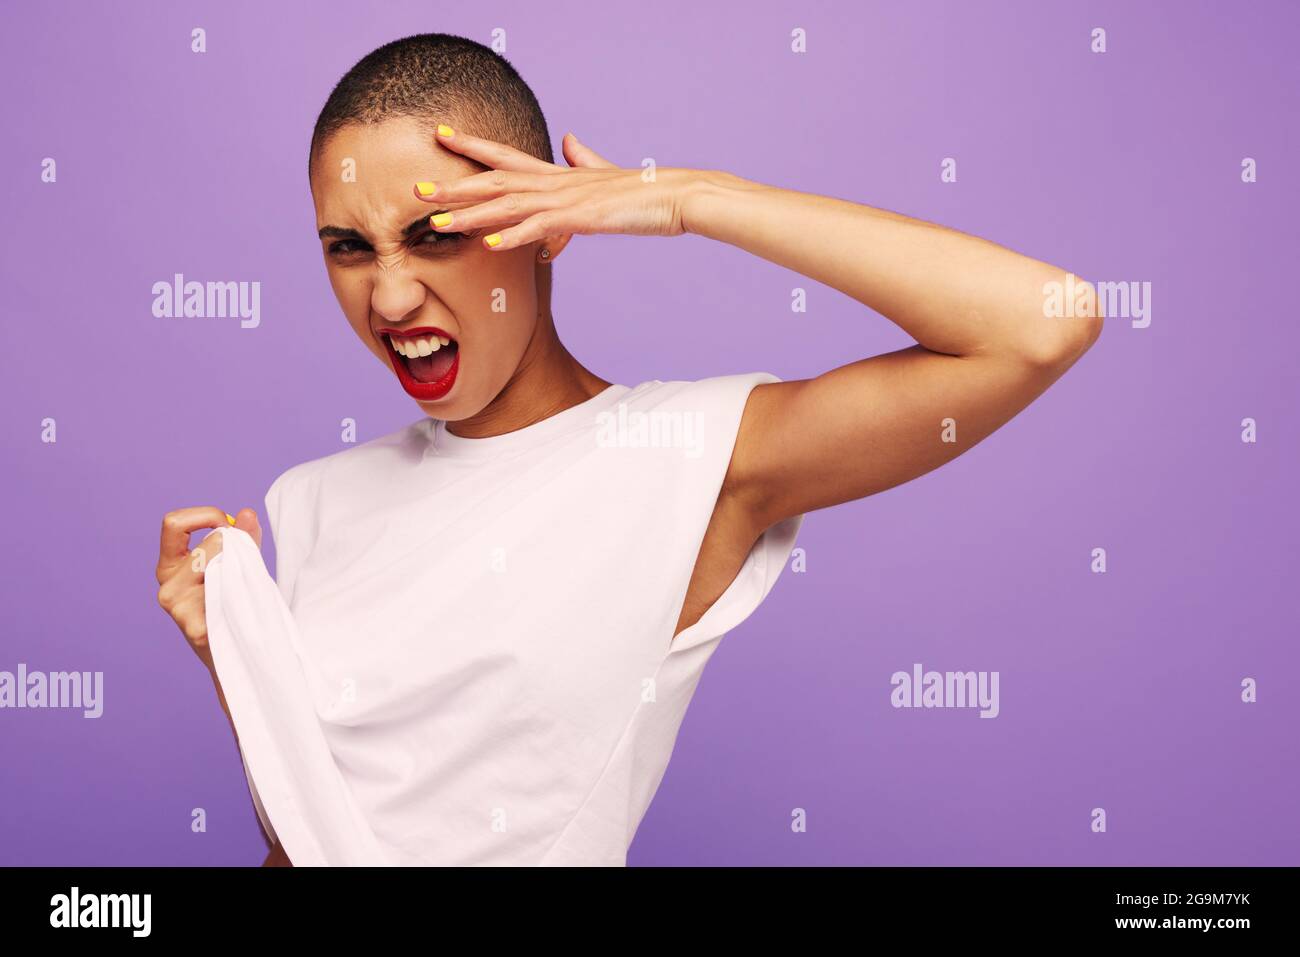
{"points": [[338, 232]]}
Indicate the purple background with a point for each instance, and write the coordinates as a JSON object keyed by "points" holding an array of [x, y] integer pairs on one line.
{"points": [[1118, 691]]}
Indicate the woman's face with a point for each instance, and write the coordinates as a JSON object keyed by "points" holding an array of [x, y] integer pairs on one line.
{"points": [[400, 283]]}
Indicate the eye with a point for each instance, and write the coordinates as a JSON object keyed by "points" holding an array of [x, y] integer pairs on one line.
{"points": [[432, 238], [346, 247]]}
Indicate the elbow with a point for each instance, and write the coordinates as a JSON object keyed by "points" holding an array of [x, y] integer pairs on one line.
{"points": [[1058, 338], [1080, 331]]}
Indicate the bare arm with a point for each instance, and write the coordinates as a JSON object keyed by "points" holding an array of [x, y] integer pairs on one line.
{"points": [[277, 857], [985, 348]]}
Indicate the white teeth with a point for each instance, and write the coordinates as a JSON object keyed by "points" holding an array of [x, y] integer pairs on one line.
{"points": [[414, 348]]}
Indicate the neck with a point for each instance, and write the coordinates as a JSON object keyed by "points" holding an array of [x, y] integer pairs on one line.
{"points": [[548, 381]]}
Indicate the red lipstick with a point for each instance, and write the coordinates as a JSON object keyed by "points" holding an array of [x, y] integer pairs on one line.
{"points": [[421, 391]]}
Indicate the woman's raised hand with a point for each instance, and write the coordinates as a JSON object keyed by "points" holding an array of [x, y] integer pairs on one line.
{"points": [[522, 199]]}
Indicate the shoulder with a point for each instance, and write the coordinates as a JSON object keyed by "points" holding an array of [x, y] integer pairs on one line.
{"points": [[698, 427], [305, 478], [724, 394], [705, 414], [712, 409]]}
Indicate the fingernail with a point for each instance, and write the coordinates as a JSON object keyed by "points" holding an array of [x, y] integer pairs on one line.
{"points": [[441, 219], [493, 240], [426, 189], [230, 518], [445, 130]]}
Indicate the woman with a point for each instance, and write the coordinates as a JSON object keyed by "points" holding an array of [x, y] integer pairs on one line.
{"points": [[486, 627]]}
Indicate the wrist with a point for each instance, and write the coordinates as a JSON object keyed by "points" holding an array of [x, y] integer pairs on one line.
{"points": [[216, 684], [706, 193]]}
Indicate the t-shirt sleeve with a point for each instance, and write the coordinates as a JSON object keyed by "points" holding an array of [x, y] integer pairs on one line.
{"points": [[726, 398]]}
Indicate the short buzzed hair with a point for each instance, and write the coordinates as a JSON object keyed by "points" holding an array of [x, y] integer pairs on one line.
{"points": [[431, 77]]}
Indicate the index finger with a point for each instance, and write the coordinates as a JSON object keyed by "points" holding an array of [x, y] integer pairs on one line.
{"points": [[178, 525], [491, 153]]}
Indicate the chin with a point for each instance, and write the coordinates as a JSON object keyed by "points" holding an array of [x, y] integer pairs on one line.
{"points": [[459, 403]]}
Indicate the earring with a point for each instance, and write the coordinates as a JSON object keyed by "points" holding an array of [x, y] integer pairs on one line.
{"points": [[546, 254]]}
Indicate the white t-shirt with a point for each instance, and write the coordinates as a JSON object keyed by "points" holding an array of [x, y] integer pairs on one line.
{"points": [[468, 658]]}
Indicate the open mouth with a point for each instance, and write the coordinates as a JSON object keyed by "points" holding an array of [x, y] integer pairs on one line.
{"points": [[426, 361]]}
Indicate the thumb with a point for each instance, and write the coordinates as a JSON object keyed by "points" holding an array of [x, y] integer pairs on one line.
{"points": [[246, 520], [580, 155]]}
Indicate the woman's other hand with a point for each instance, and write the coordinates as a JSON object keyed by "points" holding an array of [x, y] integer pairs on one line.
{"points": [[180, 569]]}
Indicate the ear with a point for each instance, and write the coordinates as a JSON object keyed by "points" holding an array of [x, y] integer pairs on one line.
{"points": [[553, 245]]}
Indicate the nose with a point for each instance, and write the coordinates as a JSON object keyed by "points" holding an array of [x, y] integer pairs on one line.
{"points": [[396, 294]]}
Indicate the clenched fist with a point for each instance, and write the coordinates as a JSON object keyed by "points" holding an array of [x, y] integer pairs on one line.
{"points": [[180, 568]]}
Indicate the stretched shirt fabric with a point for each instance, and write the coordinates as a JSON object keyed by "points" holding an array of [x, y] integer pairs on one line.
{"points": [[467, 657]]}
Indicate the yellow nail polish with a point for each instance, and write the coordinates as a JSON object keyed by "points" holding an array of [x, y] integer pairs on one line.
{"points": [[493, 240], [442, 219], [445, 130], [230, 518], [426, 189]]}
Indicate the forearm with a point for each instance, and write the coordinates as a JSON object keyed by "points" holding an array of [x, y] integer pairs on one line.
{"points": [[221, 699], [277, 857], [953, 293]]}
